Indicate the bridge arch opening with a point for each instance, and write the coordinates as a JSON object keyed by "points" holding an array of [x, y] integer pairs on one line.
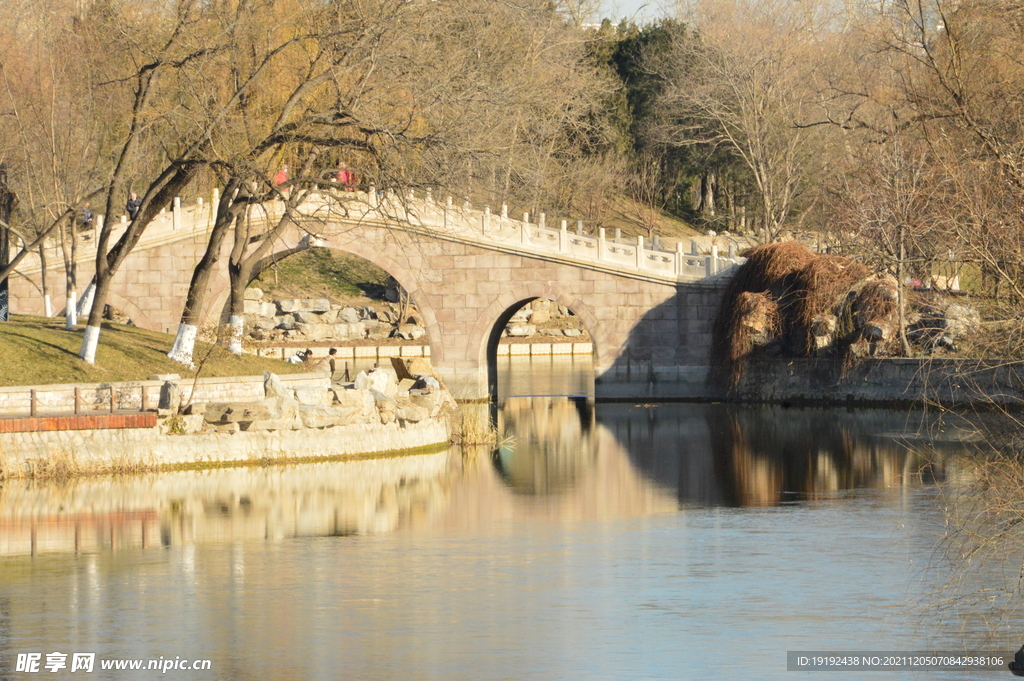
{"points": [[325, 296], [526, 342]]}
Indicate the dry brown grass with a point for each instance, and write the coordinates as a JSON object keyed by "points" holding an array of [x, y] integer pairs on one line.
{"points": [[769, 273], [783, 288], [823, 283]]}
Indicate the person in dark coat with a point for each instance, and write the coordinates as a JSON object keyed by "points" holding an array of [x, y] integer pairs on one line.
{"points": [[133, 205]]}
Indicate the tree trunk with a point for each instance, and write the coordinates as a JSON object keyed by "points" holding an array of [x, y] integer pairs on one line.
{"points": [[91, 337], [240, 277], [170, 183], [901, 310], [47, 304], [185, 340], [69, 249]]}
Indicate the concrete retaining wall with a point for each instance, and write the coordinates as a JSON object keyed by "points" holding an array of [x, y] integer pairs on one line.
{"points": [[888, 382], [98, 451]]}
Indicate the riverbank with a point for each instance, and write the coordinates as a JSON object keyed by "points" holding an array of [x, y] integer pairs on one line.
{"points": [[70, 431]]}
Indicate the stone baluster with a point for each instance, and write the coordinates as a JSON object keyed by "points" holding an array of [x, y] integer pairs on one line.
{"points": [[429, 198], [694, 248], [372, 197], [448, 203], [602, 244], [504, 211], [485, 220], [563, 237], [176, 213], [639, 252], [678, 266], [410, 195], [655, 243], [714, 259], [124, 219], [732, 251], [579, 228], [524, 230], [96, 229], [542, 220], [526, 218], [618, 235]]}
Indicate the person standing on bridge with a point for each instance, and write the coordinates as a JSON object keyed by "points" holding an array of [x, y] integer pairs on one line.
{"points": [[133, 205], [281, 179], [85, 218]]}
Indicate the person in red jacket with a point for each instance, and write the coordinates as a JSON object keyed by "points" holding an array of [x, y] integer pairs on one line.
{"points": [[281, 179]]}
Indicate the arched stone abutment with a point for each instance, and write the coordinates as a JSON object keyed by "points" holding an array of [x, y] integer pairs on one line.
{"points": [[373, 244], [485, 333]]}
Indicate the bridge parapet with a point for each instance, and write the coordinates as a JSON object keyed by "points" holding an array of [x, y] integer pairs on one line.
{"points": [[337, 210]]}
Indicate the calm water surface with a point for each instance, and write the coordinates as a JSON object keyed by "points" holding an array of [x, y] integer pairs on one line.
{"points": [[611, 542]]}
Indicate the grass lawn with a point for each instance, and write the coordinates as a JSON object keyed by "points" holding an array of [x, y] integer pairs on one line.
{"points": [[38, 350], [323, 273]]}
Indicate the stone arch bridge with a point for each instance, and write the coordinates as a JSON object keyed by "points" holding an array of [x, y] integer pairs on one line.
{"points": [[648, 310]]}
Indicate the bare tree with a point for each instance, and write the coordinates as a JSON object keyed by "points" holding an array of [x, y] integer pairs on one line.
{"points": [[746, 79]]}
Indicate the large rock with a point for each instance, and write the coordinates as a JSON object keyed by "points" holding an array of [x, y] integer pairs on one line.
{"points": [[411, 332], [273, 386], [303, 305], [252, 307], [349, 315], [286, 322], [430, 401], [360, 401], [235, 412], [521, 316], [540, 317], [303, 317], [382, 381], [386, 407], [282, 407], [521, 330], [309, 396], [961, 320], [348, 331], [253, 293], [327, 417], [292, 423], [572, 333], [411, 413], [329, 317], [412, 367], [315, 332]]}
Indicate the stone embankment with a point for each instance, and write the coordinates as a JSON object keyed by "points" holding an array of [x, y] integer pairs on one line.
{"points": [[300, 321], [402, 408]]}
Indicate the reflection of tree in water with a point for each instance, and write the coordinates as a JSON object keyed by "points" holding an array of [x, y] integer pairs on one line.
{"points": [[756, 456], [774, 454], [547, 443]]}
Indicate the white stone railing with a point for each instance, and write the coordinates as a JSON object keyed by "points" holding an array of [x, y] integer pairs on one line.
{"points": [[445, 221]]}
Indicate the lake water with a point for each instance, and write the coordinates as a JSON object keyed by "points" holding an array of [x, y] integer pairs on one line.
{"points": [[615, 541]]}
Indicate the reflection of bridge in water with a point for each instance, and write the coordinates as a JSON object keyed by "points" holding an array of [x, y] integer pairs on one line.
{"points": [[566, 461]]}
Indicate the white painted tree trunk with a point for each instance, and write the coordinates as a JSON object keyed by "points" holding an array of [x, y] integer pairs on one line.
{"points": [[47, 306], [90, 340], [85, 303], [71, 312], [184, 345], [237, 324]]}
